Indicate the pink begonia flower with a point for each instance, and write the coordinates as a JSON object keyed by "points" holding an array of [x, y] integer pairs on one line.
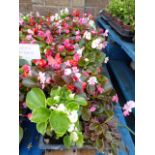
{"points": [[66, 42], [67, 31], [42, 79], [66, 26], [41, 34], [93, 32], [92, 81], [126, 113], [30, 31], [23, 42], [29, 116], [48, 80], [76, 57], [67, 71], [106, 33], [77, 32], [68, 45], [86, 74], [49, 39], [75, 69], [100, 30], [78, 38], [61, 48], [56, 66], [83, 21], [67, 63], [59, 31], [92, 109], [21, 21], [26, 68], [33, 41], [29, 37], [47, 33], [115, 98], [128, 107], [100, 89]]}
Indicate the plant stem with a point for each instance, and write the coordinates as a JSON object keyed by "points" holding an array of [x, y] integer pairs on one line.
{"points": [[121, 125]]}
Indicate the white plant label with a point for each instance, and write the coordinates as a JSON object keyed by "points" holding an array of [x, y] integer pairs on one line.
{"points": [[29, 51]]}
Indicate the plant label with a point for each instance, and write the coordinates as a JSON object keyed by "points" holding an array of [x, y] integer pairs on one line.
{"points": [[29, 52]]}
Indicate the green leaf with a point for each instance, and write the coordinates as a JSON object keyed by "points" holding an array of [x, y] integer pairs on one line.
{"points": [[41, 127], [81, 62], [27, 82], [67, 142], [93, 126], [50, 101], [35, 99], [80, 100], [99, 144], [82, 42], [86, 114], [80, 140], [72, 105], [40, 115], [56, 92], [108, 136], [20, 134], [110, 115], [23, 62], [60, 122]]}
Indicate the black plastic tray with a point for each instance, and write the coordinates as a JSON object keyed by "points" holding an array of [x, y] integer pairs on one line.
{"points": [[44, 146], [124, 33]]}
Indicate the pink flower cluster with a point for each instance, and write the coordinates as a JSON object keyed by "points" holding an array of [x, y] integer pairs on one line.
{"points": [[127, 108]]}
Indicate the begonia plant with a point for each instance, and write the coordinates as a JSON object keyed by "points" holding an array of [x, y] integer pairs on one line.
{"points": [[66, 90]]}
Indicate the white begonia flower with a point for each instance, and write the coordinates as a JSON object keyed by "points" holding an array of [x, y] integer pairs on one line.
{"points": [[71, 96], [87, 35], [86, 59], [37, 14], [30, 31], [78, 75], [62, 12], [67, 71], [71, 127], [52, 18], [61, 107], [66, 11], [53, 107], [73, 116], [96, 42], [92, 24], [57, 98], [79, 51], [75, 69], [92, 81], [106, 59], [100, 46], [42, 77], [57, 17], [74, 136]]}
